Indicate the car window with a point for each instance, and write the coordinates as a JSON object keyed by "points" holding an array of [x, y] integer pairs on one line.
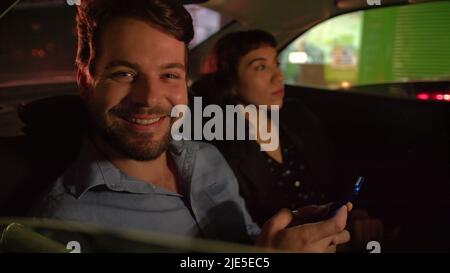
{"points": [[206, 23], [384, 45], [39, 40]]}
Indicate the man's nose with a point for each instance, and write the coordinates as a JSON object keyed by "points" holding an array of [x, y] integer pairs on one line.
{"points": [[147, 91]]}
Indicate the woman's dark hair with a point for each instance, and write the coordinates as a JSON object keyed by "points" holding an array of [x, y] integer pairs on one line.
{"points": [[222, 65], [93, 15]]}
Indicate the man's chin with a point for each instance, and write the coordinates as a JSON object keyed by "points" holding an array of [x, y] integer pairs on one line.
{"points": [[147, 152], [142, 150], [140, 147]]}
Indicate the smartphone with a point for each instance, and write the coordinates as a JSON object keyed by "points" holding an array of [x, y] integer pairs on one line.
{"points": [[337, 205], [333, 209]]}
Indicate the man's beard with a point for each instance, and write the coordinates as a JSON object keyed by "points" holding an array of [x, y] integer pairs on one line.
{"points": [[134, 145]]}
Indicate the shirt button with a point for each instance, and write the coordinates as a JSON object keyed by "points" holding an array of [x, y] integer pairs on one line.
{"points": [[302, 167], [297, 184]]}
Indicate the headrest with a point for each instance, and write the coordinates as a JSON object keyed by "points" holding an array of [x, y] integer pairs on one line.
{"points": [[54, 115]]}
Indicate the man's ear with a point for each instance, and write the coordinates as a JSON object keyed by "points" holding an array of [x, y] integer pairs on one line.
{"points": [[83, 85]]}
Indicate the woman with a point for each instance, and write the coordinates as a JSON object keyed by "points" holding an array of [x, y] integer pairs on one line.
{"points": [[244, 69]]}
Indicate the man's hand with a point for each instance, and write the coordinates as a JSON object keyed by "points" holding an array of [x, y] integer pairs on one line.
{"points": [[315, 237]]}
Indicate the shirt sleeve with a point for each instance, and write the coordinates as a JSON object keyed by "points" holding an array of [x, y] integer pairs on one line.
{"points": [[221, 186]]}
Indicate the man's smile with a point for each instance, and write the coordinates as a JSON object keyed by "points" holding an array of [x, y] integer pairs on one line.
{"points": [[144, 123]]}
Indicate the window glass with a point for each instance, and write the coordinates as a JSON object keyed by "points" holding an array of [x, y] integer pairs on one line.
{"points": [[385, 45], [39, 42]]}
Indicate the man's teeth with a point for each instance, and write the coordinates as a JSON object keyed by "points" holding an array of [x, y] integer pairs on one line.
{"points": [[143, 121]]}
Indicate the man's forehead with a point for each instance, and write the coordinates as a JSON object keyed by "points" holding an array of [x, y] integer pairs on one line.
{"points": [[136, 41]]}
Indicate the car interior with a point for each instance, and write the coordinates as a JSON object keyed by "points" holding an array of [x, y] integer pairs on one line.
{"points": [[382, 131]]}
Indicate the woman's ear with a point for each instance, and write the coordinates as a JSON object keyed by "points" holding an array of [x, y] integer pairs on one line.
{"points": [[83, 85]]}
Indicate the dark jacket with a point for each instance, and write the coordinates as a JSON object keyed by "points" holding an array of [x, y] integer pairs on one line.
{"points": [[258, 184]]}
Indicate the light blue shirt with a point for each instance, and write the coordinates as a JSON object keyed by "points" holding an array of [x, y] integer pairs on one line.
{"points": [[93, 190]]}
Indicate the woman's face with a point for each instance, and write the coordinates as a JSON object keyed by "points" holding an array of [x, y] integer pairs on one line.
{"points": [[260, 81]]}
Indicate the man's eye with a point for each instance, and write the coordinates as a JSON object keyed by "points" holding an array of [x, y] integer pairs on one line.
{"points": [[122, 75], [170, 76]]}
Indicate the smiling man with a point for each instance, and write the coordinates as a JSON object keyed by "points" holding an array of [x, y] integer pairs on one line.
{"points": [[129, 173], [133, 87]]}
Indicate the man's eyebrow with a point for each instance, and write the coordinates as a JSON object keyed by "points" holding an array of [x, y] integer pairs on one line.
{"points": [[136, 66], [174, 65], [122, 63]]}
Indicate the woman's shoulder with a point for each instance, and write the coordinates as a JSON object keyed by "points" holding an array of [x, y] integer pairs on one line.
{"points": [[297, 114]]}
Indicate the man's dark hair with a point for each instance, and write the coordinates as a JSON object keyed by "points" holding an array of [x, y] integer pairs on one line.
{"points": [[92, 16], [223, 63]]}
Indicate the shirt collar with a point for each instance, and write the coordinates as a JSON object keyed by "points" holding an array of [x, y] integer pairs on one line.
{"points": [[92, 169]]}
